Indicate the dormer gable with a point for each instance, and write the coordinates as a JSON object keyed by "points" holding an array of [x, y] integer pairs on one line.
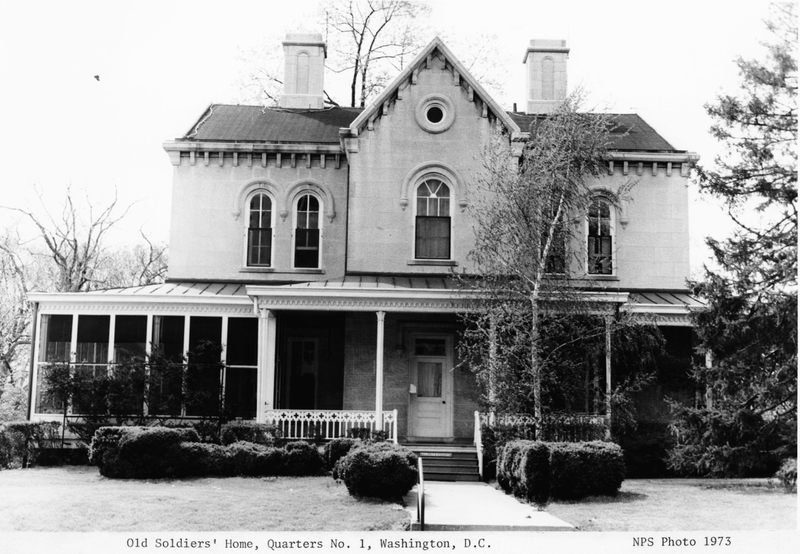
{"points": [[436, 52]]}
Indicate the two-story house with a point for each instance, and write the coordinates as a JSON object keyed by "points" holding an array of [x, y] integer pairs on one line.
{"points": [[316, 244]]}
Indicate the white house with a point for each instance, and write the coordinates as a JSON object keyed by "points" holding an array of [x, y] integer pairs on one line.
{"points": [[316, 243]]}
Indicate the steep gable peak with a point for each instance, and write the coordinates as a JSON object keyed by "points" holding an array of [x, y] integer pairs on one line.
{"points": [[435, 51]]}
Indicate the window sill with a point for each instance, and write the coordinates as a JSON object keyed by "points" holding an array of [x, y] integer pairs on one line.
{"points": [[310, 270], [602, 277], [256, 269], [449, 263]]}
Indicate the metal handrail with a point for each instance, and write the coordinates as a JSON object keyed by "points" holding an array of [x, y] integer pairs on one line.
{"points": [[420, 495]]}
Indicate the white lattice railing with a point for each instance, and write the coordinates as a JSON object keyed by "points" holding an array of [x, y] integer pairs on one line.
{"points": [[330, 424], [557, 426]]}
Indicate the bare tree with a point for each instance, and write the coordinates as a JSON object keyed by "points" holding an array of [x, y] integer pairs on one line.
{"points": [[371, 39]]}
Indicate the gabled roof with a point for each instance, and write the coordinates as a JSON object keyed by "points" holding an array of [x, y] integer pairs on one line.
{"points": [[237, 123], [460, 73], [630, 133]]}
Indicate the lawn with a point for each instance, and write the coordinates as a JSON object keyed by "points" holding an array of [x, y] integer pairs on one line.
{"points": [[685, 504], [78, 498]]}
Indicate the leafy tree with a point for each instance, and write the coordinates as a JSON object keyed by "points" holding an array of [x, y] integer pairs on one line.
{"points": [[532, 340], [750, 326]]}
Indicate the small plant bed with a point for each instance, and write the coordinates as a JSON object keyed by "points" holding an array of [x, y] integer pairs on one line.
{"points": [[684, 505], [78, 498]]}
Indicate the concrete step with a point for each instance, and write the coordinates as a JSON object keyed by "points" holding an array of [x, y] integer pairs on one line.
{"points": [[447, 462]]}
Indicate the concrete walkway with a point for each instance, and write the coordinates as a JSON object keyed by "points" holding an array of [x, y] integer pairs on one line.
{"points": [[468, 506]]}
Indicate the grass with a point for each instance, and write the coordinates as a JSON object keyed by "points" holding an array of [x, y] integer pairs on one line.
{"points": [[78, 498], [684, 504]]}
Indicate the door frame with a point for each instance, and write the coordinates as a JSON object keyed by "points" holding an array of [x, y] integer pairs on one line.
{"points": [[448, 391]]}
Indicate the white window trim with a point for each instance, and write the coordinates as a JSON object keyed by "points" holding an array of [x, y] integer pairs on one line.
{"points": [[432, 261], [612, 224], [320, 225], [246, 220]]}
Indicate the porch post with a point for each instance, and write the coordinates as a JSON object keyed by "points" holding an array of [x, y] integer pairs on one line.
{"points": [[608, 320], [709, 365], [379, 373], [492, 392], [265, 379]]}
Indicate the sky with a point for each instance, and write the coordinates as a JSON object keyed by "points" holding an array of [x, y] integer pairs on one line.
{"points": [[161, 63]]}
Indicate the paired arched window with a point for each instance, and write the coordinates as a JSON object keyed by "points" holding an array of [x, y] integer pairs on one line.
{"points": [[307, 231], [259, 231], [600, 238], [432, 225]]}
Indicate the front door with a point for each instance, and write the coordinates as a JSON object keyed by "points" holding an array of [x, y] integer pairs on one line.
{"points": [[431, 398]]}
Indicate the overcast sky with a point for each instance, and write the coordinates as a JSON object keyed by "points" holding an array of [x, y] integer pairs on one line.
{"points": [[161, 63]]}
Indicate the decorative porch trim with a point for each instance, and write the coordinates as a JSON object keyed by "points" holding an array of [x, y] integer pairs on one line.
{"points": [[329, 424]]}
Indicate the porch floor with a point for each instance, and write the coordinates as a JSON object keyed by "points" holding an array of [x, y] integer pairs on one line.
{"points": [[478, 507]]}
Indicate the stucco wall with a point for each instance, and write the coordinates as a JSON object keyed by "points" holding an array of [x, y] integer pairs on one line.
{"points": [[207, 241], [381, 233]]}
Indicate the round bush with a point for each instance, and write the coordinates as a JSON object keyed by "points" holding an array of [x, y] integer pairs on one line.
{"points": [[259, 433], [787, 474], [256, 459], [379, 470], [336, 449], [199, 459], [303, 458], [150, 452]]}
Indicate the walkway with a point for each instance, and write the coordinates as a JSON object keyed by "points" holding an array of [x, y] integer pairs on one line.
{"points": [[466, 506]]}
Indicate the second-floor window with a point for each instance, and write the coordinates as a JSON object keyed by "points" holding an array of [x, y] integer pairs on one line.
{"points": [[259, 231], [432, 225], [600, 246], [307, 232]]}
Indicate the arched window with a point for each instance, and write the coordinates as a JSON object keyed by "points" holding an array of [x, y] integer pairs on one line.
{"points": [[548, 79], [259, 231], [307, 232], [302, 73], [432, 226], [600, 238]]}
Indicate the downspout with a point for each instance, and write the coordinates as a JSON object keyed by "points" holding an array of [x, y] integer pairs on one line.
{"points": [[347, 215], [34, 327]]}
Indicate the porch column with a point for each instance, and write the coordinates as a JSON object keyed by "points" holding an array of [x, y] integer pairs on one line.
{"points": [[265, 379], [608, 321], [709, 365], [492, 392], [379, 373]]}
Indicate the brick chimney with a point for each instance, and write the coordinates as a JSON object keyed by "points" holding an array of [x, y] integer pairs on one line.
{"points": [[304, 70], [547, 74]]}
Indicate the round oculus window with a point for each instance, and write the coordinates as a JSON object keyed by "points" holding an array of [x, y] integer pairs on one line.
{"points": [[435, 113]]}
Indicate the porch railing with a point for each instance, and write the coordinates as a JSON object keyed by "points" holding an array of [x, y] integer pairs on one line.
{"points": [[330, 424]]}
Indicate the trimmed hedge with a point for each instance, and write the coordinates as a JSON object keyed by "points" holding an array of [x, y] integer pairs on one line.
{"points": [[337, 449], [21, 441], [303, 458], [381, 470], [153, 452], [259, 433], [538, 470]]}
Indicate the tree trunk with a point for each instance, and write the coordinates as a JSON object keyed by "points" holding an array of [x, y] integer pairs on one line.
{"points": [[536, 370]]}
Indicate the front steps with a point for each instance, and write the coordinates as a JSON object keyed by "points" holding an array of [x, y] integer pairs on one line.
{"points": [[447, 462]]}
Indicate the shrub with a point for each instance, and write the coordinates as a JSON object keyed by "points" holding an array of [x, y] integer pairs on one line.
{"points": [[534, 472], [381, 470], [20, 441], [303, 458], [538, 470], [336, 449], [140, 452], [104, 450], [256, 459], [365, 434], [198, 459], [580, 469], [787, 475], [258, 433]]}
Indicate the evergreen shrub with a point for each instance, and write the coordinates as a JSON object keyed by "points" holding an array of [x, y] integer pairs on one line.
{"points": [[787, 475], [259, 433], [336, 449], [380, 470], [303, 458]]}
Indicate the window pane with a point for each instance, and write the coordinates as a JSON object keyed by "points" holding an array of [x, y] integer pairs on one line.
{"points": [[430, 347], [240, 392], [429, 379], [203, 371], [302, 204], [168, 337], [242, 347], [47, 402], [313, 203], [56, 334], [433, 238], [306, 252], [130, 336], [259, 246], [422, 206], [92, 347], [313, 220]]}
